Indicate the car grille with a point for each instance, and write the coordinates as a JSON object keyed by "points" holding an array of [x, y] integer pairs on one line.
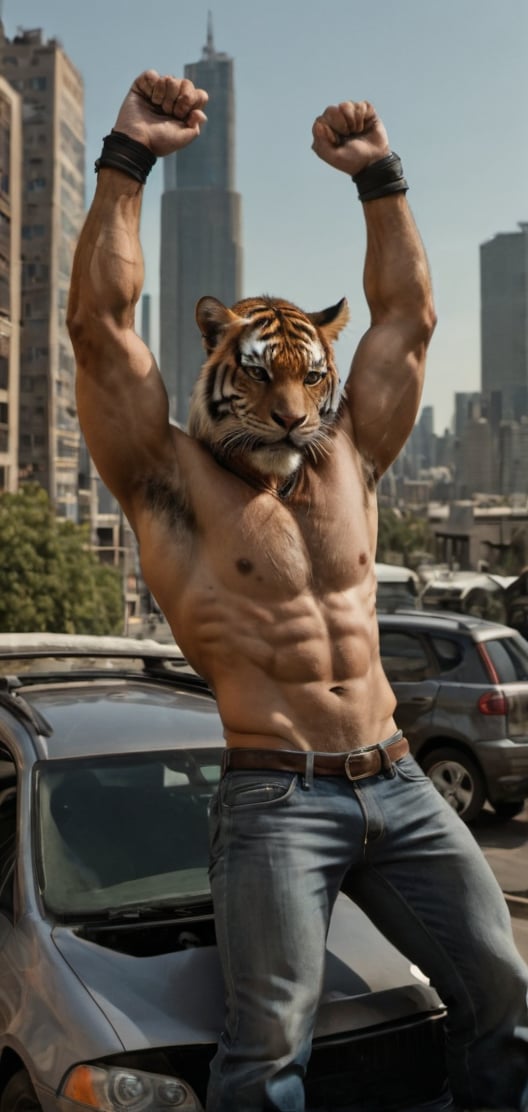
{"points": [[385, 1069], [378, 1071]]}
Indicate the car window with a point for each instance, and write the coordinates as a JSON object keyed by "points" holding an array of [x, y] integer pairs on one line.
{"points": [[116, 832], [459, 660], [390, 596], [404, 657], [509, 656], [449, 653]]}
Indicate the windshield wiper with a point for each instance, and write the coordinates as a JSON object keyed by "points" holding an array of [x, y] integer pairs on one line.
{"points": [[158, 911]]}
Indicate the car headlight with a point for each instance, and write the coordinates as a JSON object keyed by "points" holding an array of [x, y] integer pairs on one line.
{"points": [[113, 1089]]}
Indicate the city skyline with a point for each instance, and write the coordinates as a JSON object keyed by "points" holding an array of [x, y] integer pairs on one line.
{"points": [[448, 78]]}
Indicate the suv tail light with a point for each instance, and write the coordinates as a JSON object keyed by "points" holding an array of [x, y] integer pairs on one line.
{"points": [[493, 702]]}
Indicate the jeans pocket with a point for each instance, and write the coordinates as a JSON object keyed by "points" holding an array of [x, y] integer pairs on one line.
{"points": [[253, 789], [409, 769]]}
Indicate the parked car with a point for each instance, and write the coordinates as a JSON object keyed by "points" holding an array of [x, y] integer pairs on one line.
{"points": [[482, 594], [110, 987], [462, 690], [397, 586]]}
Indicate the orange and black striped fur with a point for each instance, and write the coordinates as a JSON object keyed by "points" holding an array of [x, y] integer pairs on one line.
{"points": [[268, 392]]}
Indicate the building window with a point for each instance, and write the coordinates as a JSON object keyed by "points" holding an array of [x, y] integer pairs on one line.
{"points": [[36, 184], [33, 231], [4, 296]]}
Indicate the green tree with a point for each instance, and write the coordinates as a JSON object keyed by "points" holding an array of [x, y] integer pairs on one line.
{"points": [[50, 580], [403, 537]]}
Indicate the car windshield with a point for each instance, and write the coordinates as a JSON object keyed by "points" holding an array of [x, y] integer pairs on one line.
{"points": [[117, 833]]}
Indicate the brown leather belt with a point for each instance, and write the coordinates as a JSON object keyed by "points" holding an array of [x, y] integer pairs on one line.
{"points": [[356, 765]]}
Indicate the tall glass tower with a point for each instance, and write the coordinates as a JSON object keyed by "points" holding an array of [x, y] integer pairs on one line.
{"points": [[201, 251], [504, 323]]}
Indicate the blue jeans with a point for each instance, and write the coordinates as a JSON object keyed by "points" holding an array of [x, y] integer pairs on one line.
{"points": [[281, 849]]}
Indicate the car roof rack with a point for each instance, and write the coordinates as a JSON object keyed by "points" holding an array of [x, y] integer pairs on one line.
{"points": [[153, 659], [23, 645]]}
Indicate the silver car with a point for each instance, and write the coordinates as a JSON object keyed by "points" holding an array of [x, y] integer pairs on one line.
{"points": [[462, 690], [110, 988]]}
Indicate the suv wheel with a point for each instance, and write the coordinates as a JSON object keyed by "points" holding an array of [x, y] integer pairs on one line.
{"points": [[458, 779], [19, 1095]]}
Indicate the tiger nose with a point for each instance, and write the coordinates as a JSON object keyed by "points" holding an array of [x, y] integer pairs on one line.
{"points": [[288, 421]]}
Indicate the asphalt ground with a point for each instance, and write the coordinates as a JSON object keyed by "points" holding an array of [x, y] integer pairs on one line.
{"points": [[505, 845]]}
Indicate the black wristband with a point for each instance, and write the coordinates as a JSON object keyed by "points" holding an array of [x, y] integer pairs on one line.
{"points": [[381, 178], [120, 152]]}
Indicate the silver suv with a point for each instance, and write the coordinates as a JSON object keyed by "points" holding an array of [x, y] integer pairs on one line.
{"points": [[462, 690], [110, 986]]}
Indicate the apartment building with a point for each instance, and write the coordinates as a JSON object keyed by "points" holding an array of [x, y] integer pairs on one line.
{"points": [[10, 230], [52, 208]]}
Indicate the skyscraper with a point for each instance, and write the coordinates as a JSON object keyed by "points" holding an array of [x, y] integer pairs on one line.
{"points": [[201, 250], [51, 91], [10, 226], [504, 321]]}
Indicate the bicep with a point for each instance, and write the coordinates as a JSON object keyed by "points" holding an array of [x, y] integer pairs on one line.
{"points": [[383, 390], [123, 410]]}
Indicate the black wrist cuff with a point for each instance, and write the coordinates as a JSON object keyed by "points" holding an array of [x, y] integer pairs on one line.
{"points": [[120, 152], [381, 178]]}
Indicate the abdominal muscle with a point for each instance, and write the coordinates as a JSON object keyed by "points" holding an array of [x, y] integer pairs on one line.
{"points": [[297, 673], [274, 604]]}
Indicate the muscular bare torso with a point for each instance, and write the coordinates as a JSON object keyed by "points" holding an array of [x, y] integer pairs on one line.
{"points": [[272, 600]]}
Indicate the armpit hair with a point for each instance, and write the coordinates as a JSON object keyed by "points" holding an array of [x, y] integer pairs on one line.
{"points": [[370, 473], [165, 501]]}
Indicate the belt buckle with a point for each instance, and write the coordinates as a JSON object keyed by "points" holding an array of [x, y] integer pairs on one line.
{"points": [[348, 758]]}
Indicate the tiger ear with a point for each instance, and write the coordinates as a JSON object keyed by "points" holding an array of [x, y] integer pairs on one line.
{"points": [[212, 317], [332, 320]]}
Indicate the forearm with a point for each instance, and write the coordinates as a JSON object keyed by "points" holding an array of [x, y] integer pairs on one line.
{"points": [[107, 273], [396, 276]]}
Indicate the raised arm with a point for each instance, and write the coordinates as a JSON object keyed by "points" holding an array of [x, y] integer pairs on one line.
{"points": [[122, 402], [385, 383]]}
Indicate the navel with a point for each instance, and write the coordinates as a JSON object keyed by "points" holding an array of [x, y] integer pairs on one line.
{"points": [[338, 690], [244, 565]]}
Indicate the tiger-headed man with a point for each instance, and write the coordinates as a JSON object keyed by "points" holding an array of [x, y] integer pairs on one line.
{"points": [[257, 537]]}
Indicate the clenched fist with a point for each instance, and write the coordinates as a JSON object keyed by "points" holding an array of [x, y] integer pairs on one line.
{"points": [[164, 113], [350, 136]]}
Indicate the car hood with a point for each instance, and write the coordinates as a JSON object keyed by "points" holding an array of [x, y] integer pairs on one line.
{"points": [[177, 998]]}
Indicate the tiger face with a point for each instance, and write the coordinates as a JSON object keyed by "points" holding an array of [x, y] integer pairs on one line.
{"points": [[268, 392]]}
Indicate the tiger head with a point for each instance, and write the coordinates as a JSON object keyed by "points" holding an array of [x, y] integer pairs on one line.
{"points": [[268, 391]]}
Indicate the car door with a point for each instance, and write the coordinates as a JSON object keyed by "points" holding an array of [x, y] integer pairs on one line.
{"points": [[410, 668]]}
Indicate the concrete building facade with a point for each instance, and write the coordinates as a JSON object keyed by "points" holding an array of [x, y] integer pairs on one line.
{"points": [[201, 229], [51, 92], [504, 322], [10, 232], [513, 457]]}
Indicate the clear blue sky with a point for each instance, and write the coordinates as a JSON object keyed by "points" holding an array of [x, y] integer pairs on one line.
{"points": [[449, 77]]}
